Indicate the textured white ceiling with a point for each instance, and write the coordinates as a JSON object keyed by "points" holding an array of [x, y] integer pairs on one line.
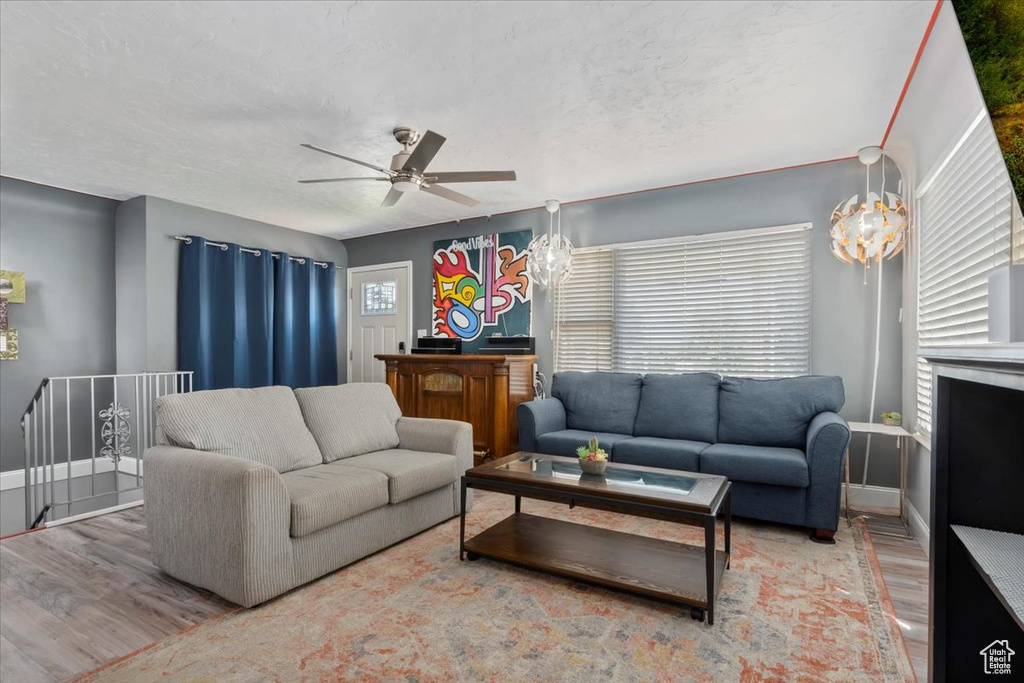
{"points": [[206, 103]]}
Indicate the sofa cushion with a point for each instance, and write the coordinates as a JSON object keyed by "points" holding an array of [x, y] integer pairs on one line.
{"points": [[566, 441], [324, 495], [679, 407], [263, 425], [774, 412], [350, 419], [409, 473], [756, 464], [673, 454], [598, 401]]}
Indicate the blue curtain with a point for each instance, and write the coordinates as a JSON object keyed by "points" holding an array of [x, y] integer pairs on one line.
{"points": [[305, 333], [225, 315]]}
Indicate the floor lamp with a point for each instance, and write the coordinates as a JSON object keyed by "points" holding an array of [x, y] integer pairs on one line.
{"points": [[870, 231]]}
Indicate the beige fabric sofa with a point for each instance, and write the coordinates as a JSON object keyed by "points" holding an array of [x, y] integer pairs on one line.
{"points": [[252, 492]]}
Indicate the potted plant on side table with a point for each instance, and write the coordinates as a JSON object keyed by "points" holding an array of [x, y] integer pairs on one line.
{"points": [[892, 419], [593, 459]]}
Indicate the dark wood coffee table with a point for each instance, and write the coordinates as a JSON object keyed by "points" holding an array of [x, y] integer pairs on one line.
{"points": [[656, 568]]}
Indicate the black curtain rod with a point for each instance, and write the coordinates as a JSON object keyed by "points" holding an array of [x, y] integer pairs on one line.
{"points": [[257, 252]]}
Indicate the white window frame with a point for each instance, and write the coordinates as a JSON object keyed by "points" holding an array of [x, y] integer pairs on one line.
{"points": [[922, 372]]}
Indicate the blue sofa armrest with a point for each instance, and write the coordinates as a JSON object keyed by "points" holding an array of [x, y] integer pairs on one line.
{"points": [[536, 418], [827, 439]]}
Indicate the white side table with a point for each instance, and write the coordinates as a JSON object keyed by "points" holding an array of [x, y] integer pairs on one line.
{"points": [[902, 442]]}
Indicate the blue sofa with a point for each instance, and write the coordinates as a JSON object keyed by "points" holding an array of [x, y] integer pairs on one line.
{"points": [[780, 442]]}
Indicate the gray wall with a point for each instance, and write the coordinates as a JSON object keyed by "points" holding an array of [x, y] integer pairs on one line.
{"points": [[64, 241], [843, 310], [130, 273], [145, 230], [102, 285]]}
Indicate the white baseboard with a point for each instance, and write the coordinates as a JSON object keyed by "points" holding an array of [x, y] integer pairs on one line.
{"points": [[919, 527], [874, 497], [15, 479], [94, 513]]}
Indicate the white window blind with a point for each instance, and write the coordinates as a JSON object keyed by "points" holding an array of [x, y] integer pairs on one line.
{"points": [[964, 232], [735, 302], [584, 313]]}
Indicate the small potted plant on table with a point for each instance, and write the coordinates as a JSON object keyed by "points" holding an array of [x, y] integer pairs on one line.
{"points": [[892, 418], [593, 459]]}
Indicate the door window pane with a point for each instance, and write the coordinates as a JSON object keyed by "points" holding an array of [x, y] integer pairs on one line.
{"points": [[379, 298]]}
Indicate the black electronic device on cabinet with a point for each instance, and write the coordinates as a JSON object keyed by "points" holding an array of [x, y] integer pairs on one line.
{"points": [[438, 346], [508, 346]]}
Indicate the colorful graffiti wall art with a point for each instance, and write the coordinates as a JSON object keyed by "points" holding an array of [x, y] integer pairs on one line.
{"points": [[481, 287]]}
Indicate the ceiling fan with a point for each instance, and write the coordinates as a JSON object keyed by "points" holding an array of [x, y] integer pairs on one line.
{"points": [[408, 169]]}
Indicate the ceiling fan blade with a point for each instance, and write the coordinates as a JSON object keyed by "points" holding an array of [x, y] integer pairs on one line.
{"points": [[425, 150], [391, 198], [338, 180], [354, 161], [471, 176], [450, 195]]}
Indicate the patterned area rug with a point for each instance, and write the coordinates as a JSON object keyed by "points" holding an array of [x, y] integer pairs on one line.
{"points": [[789, 610]]}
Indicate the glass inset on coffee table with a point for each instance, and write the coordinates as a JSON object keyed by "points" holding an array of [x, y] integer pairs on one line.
{"points": [[656, 568]]}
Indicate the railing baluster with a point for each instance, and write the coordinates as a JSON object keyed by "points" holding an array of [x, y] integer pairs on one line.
{"points": [[92, 430], [144, 430], [150, 413], [39, 436], [67, 414], [149, 416], [41, 475], [27, 435], [117, 484], [138, 432], [51, 447], [36, 457]]}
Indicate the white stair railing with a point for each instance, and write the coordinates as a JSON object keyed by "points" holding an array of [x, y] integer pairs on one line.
{"points": [[84, 441]]}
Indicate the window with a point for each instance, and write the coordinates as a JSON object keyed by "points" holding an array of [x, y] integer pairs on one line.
{"points": [[736, 302], [584, 311], [379, 298], [964, 230]]}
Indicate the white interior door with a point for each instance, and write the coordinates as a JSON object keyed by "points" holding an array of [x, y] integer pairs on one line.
{"points": [[379, 318]]}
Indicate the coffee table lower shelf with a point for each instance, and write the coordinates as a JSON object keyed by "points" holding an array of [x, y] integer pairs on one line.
{"points": [[656, 568]]}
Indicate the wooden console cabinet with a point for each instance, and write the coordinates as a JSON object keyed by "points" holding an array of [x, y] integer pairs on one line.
{"points": [[481, 390]]}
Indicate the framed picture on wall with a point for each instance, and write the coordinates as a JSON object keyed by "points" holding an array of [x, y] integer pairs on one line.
{"points": [[481, 288]]}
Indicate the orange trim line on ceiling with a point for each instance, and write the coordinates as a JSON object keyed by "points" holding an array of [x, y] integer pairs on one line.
{"points": [[913, 68], [620, 194]]}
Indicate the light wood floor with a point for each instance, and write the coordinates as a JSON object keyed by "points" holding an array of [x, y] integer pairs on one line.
{"points": [[75, 596], [905, 572]]}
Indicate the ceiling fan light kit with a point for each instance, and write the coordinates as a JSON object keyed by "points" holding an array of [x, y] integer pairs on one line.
{"points": [[408, 169], [405, 184]]}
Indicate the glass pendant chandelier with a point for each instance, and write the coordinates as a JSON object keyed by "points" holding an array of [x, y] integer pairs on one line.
{"points": [[549, 259], [864, 231], [872, 229]]}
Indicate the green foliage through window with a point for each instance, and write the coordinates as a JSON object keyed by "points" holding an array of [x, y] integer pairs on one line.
{"points": [[994, 33]]}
